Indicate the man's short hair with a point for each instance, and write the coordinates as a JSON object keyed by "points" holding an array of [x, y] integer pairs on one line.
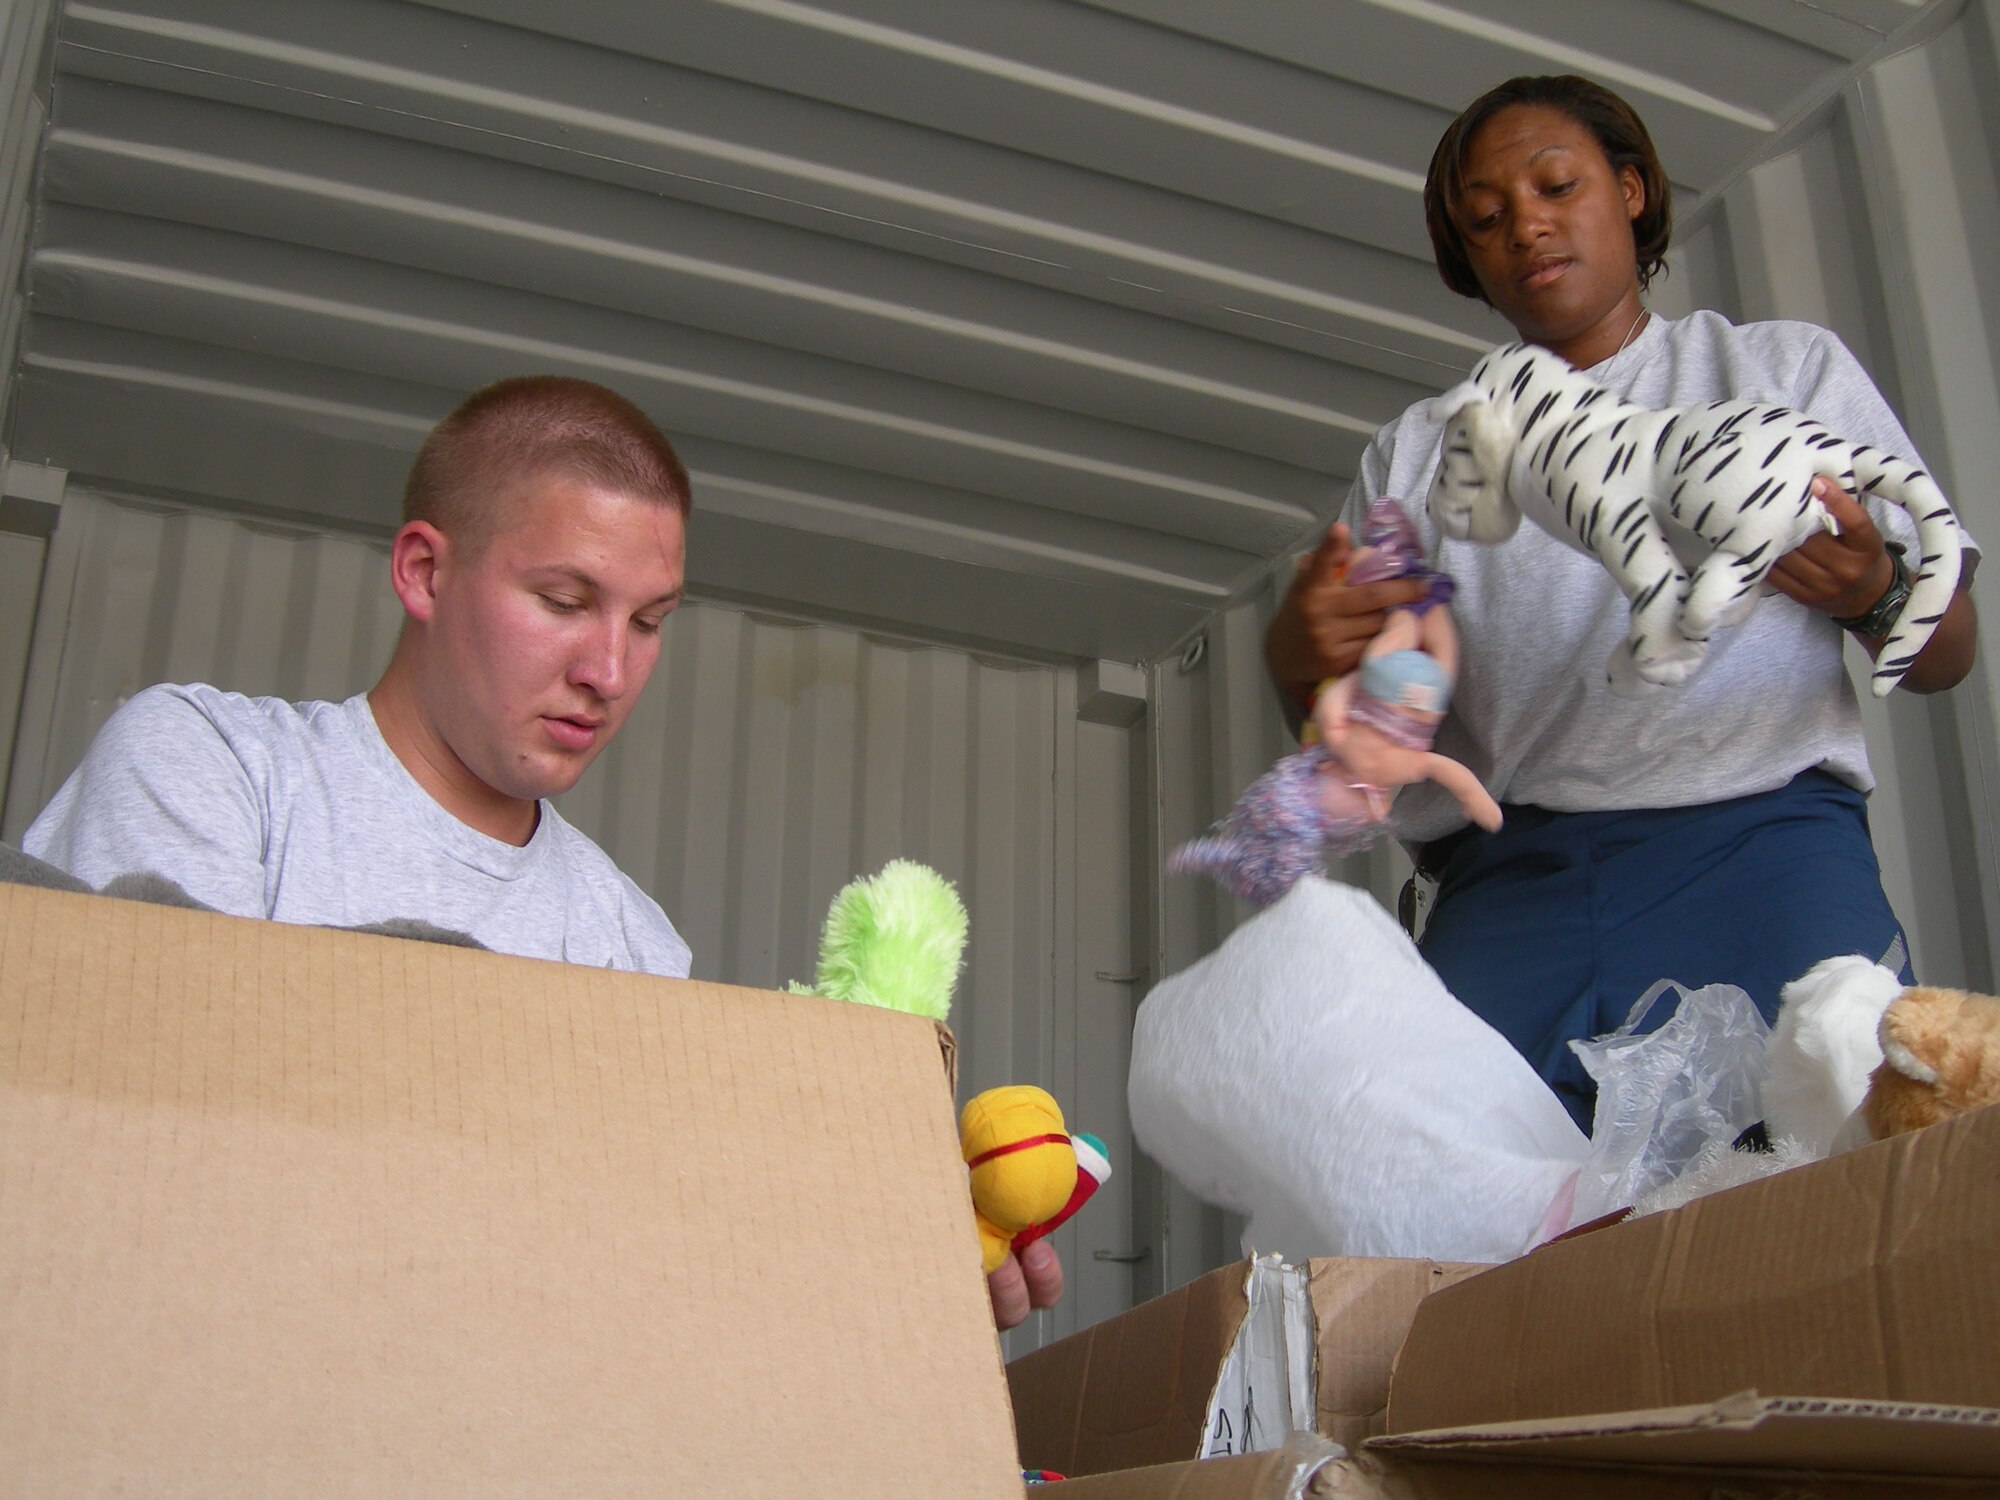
{"points": [[531, 427]]}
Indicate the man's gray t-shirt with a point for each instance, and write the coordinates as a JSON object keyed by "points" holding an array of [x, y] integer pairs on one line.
{"points": [[301, 812], [1533, 716]]}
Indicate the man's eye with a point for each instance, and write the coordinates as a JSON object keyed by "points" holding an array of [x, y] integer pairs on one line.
{"points": [[1562, 188], [645, 625], [560, 606]]}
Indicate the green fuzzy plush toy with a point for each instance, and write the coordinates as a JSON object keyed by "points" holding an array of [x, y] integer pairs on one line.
{"points": [[896, 939]]}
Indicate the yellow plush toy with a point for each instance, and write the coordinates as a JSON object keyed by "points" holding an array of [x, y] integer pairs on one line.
{"points": [[1028, 1173]]}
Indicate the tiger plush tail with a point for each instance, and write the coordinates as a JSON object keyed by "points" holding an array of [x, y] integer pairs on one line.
{"points": [[1934, 578]]}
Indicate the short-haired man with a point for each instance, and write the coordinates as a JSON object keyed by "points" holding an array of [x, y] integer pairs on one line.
{"points": [[541, 547]]}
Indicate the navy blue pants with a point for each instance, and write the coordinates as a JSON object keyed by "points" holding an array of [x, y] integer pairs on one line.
{"points": [[1551, 928]]}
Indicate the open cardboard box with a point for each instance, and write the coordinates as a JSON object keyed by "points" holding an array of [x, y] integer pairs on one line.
{"points": [[299, 1211], [286, 1210], [1831, 1331]]}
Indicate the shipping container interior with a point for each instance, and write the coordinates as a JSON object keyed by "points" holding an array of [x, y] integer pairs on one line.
{"points": [[1016, 348]]}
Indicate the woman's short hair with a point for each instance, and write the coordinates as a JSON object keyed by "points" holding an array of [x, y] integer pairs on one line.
{"points": [[1619, 132], [531, 427]]}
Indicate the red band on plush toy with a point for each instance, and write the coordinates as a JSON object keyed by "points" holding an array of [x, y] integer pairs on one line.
{"points": [[1022, 1145]]}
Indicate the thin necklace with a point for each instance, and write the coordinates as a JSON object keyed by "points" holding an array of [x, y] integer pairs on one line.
{"points": [[1630, 333]]}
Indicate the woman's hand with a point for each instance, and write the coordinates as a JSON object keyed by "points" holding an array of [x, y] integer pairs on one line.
{"points": [[1323, 622], [1839, 575], [1844, 575]]}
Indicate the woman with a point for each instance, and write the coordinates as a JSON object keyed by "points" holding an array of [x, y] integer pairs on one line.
{"points": [[1712, 833]]}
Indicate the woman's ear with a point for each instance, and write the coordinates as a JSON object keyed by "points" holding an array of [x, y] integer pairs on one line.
{"points": [[1634, 188]]}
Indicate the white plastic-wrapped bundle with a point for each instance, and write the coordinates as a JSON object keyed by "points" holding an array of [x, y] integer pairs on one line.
{"points": [[1314, 1073]]}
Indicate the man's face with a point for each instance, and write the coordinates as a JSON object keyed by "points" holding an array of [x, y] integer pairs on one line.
{"points": [[544, 639]]}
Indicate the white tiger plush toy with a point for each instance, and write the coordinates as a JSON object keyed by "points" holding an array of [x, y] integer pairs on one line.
{"points": [[1527, 434]]}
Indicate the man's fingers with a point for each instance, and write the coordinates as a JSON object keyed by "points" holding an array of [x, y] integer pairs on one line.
{"points": [[1042, 1269], [1009, 1291]]}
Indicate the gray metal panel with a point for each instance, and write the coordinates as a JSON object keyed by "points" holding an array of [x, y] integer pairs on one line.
{"points": [[21, 560], [1101, 298], [24, 72]]}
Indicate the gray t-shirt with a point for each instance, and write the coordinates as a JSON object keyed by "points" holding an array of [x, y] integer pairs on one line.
{"points": [[301, 812], [1533, 716]]}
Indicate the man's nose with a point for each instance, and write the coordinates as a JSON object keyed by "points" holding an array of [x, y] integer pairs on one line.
{"points": [[599, 663]]}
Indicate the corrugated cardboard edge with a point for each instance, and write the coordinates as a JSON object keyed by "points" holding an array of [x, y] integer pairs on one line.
{"points": [[1306, 1468], [1866, 1277], [1744, 1433], [1363, 1308], [1135, 1389], [948, 1045]]}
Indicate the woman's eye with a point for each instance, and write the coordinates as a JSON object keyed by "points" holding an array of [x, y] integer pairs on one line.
{"points": [[1562, 188]]}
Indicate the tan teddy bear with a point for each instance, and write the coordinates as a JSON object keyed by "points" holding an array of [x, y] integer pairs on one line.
{"points": [[1940, 1057]]}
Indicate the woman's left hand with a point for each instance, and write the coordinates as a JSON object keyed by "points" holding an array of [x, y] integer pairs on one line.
{"points": [[1839, 575], [1843, 576]]}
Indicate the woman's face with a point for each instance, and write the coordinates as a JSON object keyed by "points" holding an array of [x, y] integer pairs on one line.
{"points": [[1548, 231]]}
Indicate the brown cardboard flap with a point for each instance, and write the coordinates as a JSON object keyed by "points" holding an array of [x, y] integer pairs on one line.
{"points": [[1136, 1389], [300, 1210], [1133, 1390], [1306, 1468], [1867, 1277], [1363, 1308], [1745, 1433]]}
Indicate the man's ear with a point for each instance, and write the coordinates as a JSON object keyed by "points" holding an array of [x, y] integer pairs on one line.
{"points": [[417, 557]]}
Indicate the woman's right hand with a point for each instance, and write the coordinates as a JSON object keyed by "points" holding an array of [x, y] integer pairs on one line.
{"points": [[1323, 622]]}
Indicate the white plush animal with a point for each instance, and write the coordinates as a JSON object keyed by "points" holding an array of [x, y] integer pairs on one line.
{"points": [[1823, 1048], [1527, 434]]}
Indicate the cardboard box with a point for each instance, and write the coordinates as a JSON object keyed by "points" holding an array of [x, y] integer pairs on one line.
{"points": [[299, 1211], [1869, 1277], [1227, 1364], [1830, 1332], [296, 1211]]}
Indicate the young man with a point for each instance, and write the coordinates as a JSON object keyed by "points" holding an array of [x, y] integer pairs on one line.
{"points": [[542, 546]]}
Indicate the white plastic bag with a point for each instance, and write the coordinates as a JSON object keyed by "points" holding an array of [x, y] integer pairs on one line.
{"points": [[1663, 1096], [1314, 1073]]}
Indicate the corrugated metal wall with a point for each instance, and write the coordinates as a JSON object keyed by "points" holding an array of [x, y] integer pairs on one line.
{"points": [[24, 69]]}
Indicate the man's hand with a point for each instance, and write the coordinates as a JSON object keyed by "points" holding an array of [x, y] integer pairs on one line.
{"points": [[1324, 622], [1024, 1282]]}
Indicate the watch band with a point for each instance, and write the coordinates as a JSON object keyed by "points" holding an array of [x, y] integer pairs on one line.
{"points": [[1881, 617]]}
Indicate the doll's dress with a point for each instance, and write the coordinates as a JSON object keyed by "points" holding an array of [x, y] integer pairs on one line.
{"points": [[1279, 831]]}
